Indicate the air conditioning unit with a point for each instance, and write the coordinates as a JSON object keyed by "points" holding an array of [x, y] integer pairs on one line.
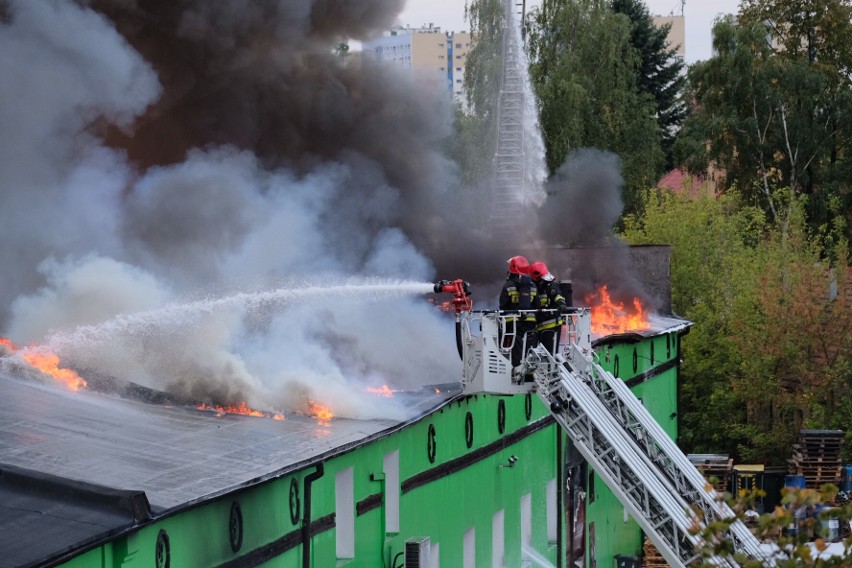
{"points": [[417, 552]]}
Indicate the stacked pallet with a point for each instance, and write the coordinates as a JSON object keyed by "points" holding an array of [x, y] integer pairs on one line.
{"points": [[817, 457], [652, 557], [716, 469]]}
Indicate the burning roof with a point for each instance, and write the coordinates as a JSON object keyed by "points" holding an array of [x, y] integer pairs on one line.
{"points": [[176, 454]]}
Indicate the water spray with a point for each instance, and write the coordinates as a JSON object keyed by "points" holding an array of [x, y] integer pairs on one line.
{"points": [[180, 314]]}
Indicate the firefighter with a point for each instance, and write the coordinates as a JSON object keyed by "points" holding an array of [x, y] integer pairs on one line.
{"points": [[549, 298], [518, 300]]}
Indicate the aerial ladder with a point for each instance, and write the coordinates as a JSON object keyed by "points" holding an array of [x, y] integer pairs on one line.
{"points": [[663, 491]]}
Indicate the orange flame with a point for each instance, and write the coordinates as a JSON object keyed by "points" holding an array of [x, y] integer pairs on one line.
{"points": [[385, 391], [241, 408], [47, 362], [610, 317], [319, 411]]}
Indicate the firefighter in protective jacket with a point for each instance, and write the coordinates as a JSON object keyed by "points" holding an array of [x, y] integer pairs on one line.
{"points": [[551, 305], [518, 299]]}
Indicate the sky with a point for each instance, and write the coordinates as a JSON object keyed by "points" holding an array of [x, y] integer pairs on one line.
{"points": [[699, 14]]}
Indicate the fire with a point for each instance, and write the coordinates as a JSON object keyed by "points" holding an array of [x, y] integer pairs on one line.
{"points": [[319, 411], [610, 317], [47, 362], [385, 391], [241, 408]]}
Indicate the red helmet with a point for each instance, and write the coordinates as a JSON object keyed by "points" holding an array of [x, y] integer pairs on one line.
{"points": [[518, 265], [538, 270]]}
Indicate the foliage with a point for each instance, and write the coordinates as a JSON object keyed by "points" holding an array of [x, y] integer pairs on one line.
{"points": [[771, 350], [476, 123], [773, 108], [584, 72], [796, 532], [660, 73]]}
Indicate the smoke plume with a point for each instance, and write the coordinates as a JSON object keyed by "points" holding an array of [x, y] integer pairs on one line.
{"points": [[582, 207], [164, 152]]}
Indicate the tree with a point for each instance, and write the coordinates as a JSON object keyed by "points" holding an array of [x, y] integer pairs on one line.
{"points": [[476, 123], [584, 73], [661, 73], [796, 532], [773, 110], [709, 238], [771, 348]]}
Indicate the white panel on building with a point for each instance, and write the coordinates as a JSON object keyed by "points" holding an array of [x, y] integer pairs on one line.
{"points": [[434, 556], [469, 551], [391, 469], [551, 510], [526, 519], [344, 510], [498, 540]]}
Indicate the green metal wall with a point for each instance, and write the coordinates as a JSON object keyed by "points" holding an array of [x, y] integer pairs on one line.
{"points": [[442, 505], [445, 489]]}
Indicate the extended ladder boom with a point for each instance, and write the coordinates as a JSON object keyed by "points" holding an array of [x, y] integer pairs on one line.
{"points": [[662, 451], [574, 396], [664, 492]]}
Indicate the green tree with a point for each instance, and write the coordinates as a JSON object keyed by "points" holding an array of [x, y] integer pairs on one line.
{"points": [[584, 72], [476, 121], [770, 349], [794, 339], [661, 73], [796, 532], [710, 238], [773, 110]]}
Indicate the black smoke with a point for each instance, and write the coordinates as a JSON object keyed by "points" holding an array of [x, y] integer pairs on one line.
{"points": [[157, 151], [582, 207]]}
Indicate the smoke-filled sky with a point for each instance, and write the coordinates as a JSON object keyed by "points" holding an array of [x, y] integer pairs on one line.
{"points": [[158, 152]]}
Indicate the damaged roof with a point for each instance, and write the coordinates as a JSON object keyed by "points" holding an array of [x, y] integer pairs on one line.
{"points": [[77, 467]]}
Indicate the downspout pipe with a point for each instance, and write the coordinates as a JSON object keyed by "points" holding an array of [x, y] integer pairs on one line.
{"points": [[306, 520]]}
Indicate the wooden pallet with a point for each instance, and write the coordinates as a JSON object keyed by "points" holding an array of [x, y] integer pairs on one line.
{"points": [[715, 468], [652, 557], [817, 457]]}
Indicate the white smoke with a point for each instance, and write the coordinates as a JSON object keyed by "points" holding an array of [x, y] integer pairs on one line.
{"points": [[87, 238], [64, 68]]}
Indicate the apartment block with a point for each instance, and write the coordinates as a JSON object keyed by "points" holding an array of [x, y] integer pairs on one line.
{"points": [[425, 50], [677, 33]]}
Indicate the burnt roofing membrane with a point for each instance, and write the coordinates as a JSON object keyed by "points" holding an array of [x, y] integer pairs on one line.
{"points": [[79, 468]]}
